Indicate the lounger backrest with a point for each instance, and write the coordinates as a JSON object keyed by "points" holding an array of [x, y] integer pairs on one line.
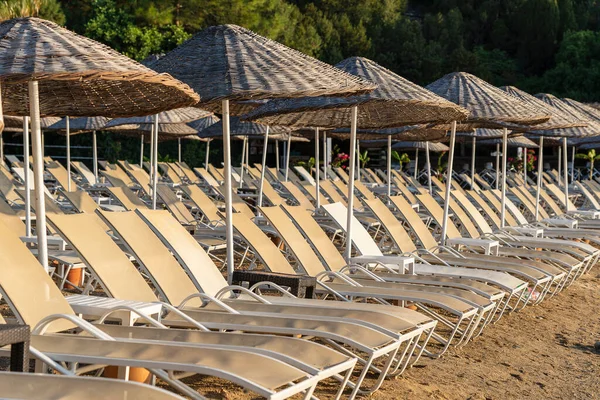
{"points": [[298, 195], [373, 176], [239, 205], [560, 195], [392, 225], [207, 177], [10, 219], [491, 198], [216, 172], [118, 276], [531, 201], [588, 195], [50, 204], [61, 176], [530, 207], [204, 203], [295, 241], [414, 221], [27, 288], [126, 197], [7, 187], [84, 171], [472, 211], [362, 241], [312, 191], [174, 205], [342, 174], [264, 249], [550, 202], [316, 235], [81, 200], [304, 174], [332, 193], [114, 179], [511, 208], [460, 216], [343, 188], [20, 172], [187, 172], [437, 213], [164, 270], [487, 209], [140, 177], [405, 192], [270, 193], [363, 190], [198, 265]]}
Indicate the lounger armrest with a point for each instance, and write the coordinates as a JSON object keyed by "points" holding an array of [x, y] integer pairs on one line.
{"points": [[300, 285]]}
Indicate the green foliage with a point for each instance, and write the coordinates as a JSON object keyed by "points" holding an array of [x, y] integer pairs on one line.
{"points": [[309, 165], [47, 9], [590, 157], [364, 158], [400, 158]]}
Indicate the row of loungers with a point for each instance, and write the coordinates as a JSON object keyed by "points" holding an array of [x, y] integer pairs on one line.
{"points": [[356, 325]]}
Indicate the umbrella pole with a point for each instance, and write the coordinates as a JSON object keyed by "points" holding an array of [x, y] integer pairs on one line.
{"points": [[357, 160], [244, 144], [525, 166], [350, 217], [95, 155], [68, 137], [43, 141], [473, 164], [27, 176], [389, 166], [179, 149], [325, 154], [497, 166], [565, 174], [264, 166], [448, 183], [207, 153], [287, 157], [141, 151], [428, 168], [155, 167], [504, 157], [38, 173], [416, 163], [317, 175], [228, 192], [151, 171], [559, 164], [573, 165], [539, 178], [277, 156], [1, 148]]}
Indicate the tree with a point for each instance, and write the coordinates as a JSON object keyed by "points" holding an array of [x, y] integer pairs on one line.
{"points": [[47, 9], [589, 157]]}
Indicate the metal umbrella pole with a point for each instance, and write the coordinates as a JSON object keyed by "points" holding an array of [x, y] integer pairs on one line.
{"points": [[357, 165], [473, 164], [317, 177], [565, 174], [207, 154], [539, 178], [38, 173], [179, 149], [416, 163], [525, 166], [504, 157], [244, 144], [325, 155], [277, 157], [573, 166], [141, 151], [350, 217], [287, 157], [228, 191], [448, 183], [559, 165], [95, 155], [497, 166], [427, 160], [27, 176], [155, 166], [68, 137], [264, 166], [151, 171], [389, 165]]}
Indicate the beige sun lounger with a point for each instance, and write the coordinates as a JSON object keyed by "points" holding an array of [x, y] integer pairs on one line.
{"points": [[126, 197], [35, 300], [297, 195], [208, 209], [25, 386], [59, 173], [85, 172]]}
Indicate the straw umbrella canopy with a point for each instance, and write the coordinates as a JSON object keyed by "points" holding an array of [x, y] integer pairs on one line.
{"points": [[229, 63], [75, 76], [396, 102], [518, 141], [489, 107]]}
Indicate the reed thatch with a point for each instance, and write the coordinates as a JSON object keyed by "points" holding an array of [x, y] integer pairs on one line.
{"points": [[395, 102], [569, 108], [405, 133], [80, 125], [559, 119], [175, 116], [203, 123], [518, 141], [489, 107], [78, 76], [242, 128], [433, 146], [230, 62]]}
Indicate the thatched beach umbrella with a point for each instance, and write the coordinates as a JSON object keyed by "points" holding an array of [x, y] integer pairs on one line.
{"points": [[229, 63], [49, 71], [489, 107], [395, 102]]}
